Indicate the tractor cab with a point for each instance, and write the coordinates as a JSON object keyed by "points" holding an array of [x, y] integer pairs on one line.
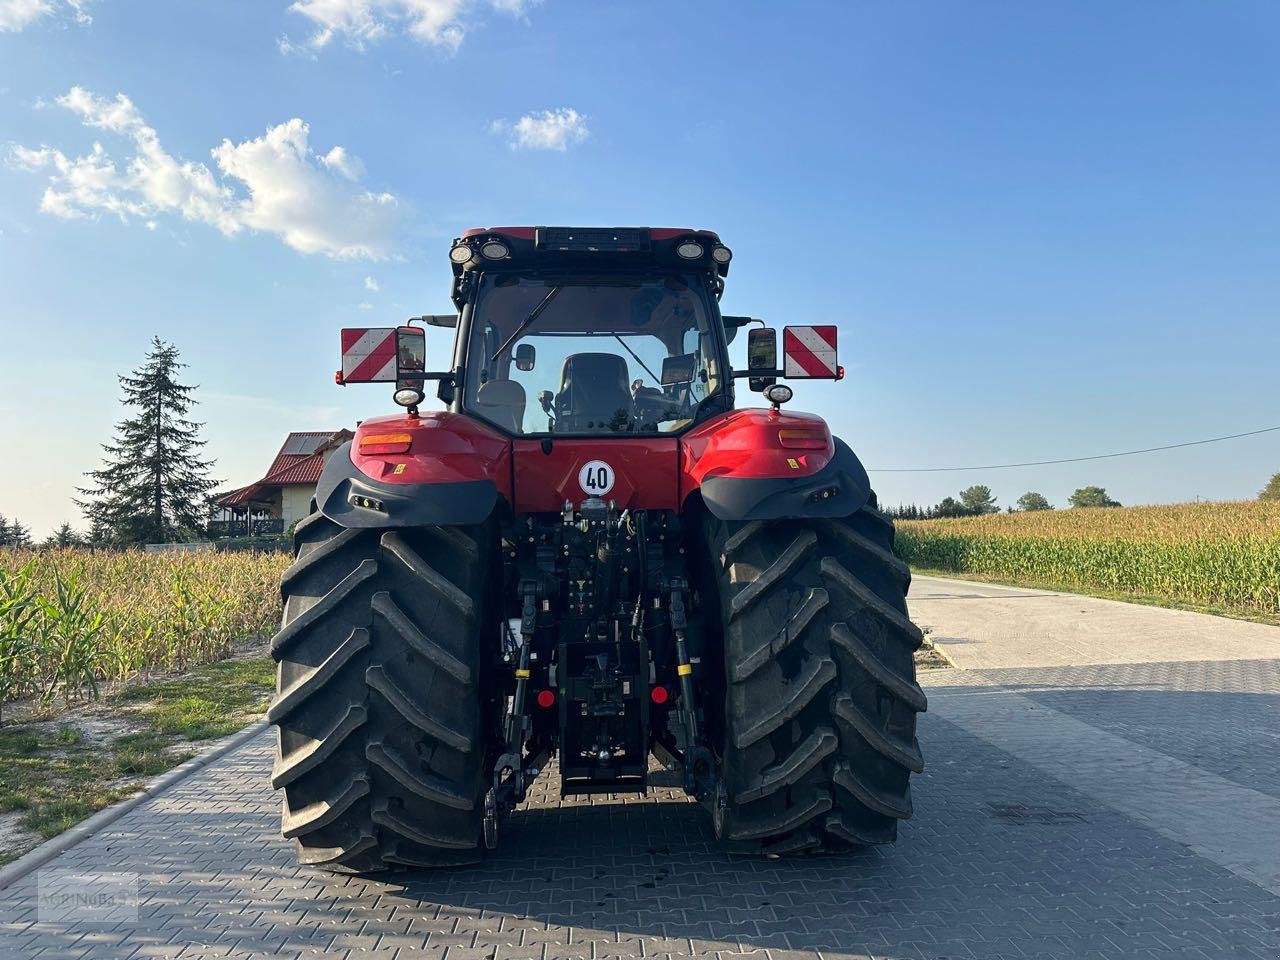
{"points": [[575, 355], [590, 332]]}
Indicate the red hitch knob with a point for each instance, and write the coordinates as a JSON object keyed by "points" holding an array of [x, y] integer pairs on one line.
{"points": [[546, 699], [659, 695]]}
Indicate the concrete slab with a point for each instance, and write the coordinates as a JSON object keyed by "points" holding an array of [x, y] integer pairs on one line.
{"points": [[983, 626]]}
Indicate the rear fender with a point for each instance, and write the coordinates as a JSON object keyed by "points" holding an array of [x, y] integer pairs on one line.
{"points": [[764, 465], [455, 472]]}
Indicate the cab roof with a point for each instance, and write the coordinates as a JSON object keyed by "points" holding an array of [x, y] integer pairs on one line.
{"points": [[531, 233]]}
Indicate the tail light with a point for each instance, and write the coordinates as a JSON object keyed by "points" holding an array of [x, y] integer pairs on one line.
{"points": [[801, 438], [376, 443]]}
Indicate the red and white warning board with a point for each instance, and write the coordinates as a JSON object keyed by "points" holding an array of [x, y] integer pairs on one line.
{"points": [[809, 352], [368, 354]]}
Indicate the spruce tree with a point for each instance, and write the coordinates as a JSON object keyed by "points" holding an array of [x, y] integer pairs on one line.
{"points": [[64, 536], [14, 533], [153, 487]]}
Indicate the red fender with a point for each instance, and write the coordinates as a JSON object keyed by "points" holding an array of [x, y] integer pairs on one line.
{"points": [[758, 464], [401, 471], [755, 444], [443, 447]]}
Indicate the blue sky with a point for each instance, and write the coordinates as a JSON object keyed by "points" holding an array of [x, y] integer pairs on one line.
{"points": [[1045, 230]]}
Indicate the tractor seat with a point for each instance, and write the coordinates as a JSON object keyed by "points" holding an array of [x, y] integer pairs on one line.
{"points": [[502, 401], [593, 389]]}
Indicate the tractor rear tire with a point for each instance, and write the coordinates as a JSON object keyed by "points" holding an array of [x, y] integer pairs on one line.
{"points": [[817, 732], [380, 703]]}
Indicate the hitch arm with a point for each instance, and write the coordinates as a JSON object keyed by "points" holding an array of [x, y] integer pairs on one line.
{"points": [[699, 764], [509, 772]]}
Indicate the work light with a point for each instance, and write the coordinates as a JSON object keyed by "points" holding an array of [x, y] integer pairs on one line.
{"points": [[778, 393], [690, 250], [461, 253], [721, 255], [494, 250]]}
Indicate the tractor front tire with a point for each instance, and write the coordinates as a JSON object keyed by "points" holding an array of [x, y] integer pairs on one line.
{"points": [[817, 731], [380, 701]]}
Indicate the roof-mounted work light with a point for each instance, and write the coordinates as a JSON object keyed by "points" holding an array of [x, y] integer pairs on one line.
{"points": [[690, 250]]}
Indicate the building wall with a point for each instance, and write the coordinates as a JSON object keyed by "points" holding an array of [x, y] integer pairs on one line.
{"points": [[296, 503]]}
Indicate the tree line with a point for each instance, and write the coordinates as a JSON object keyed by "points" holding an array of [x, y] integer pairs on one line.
{"points": [[978, 499]]}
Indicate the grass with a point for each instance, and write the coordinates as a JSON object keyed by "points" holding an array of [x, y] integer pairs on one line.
{"points": [[54, 774], [178, 708]]}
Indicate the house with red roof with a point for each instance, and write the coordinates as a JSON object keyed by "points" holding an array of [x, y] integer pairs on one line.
{"points": [[283, 496]]}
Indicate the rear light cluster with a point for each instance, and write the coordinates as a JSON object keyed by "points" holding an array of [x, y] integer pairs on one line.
{"points": [[801, 438], [379, 443]]}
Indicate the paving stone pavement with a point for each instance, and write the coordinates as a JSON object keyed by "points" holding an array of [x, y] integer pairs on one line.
{"points": [[1010, 855]]}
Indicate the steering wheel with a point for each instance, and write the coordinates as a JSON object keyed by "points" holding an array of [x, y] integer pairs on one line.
{"points": [[650, 404]]}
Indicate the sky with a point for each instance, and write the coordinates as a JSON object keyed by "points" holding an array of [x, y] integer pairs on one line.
{"points": [[1044, 230]]}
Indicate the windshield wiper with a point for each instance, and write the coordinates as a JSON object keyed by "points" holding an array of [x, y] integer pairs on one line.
{"points": [[656, 379], [528, 321]]}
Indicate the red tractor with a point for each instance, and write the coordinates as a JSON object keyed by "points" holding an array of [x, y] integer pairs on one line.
{"points": [[591, 556]]}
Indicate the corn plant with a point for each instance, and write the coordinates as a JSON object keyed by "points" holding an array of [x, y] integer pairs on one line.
{"points": [[1211, 554], [18, 646], [73, 619]]}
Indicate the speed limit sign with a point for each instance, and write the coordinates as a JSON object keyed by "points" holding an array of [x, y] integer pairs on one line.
{"points": [[596, 478]]}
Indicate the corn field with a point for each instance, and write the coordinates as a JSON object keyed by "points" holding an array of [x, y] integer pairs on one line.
{"points": [[1224, 555], [73, 619]]}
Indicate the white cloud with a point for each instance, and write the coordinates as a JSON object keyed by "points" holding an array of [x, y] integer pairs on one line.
{"points": [[548, 130], [344, 163], [371, 285], [275, 184], [16, 15], [438, 23], [366, 305]]}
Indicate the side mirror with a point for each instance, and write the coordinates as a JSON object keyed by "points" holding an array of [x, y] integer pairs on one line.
{"points": [[411, 358], [762, 357], [809, 353], [525, 356]]}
